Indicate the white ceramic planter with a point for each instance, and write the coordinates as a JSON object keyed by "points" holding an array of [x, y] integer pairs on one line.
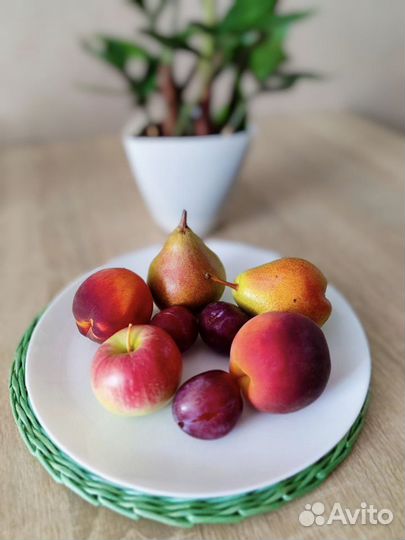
{"points": [[192, 173]]}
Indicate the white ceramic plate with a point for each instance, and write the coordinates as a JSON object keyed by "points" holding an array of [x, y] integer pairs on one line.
{"points": [[152, 454]]}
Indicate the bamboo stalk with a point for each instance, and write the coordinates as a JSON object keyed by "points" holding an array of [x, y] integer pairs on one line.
{"points": [[203, 124]]}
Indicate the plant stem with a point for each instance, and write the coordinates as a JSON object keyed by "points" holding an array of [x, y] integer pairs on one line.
{"points": [[235, 119], [183, 119], [170, 94], [210, 18], [239, 111], [153, 17], [175, 15], [206, 69], [206, 65], [168, 86]]}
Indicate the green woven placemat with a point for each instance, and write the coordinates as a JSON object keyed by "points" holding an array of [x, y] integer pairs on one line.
{"points": [[136, 505]]}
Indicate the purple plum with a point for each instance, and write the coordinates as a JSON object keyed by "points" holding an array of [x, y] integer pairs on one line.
{"points": [[219, 323], [179, 323], [208, 405]]}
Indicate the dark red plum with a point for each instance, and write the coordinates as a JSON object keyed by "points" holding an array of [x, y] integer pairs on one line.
{"points": [[180, 324], [219, 323], [208, 405]]}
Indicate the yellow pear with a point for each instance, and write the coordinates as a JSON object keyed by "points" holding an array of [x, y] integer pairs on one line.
{"points": [[288, 284]]}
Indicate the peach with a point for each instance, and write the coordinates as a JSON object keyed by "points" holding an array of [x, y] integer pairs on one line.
{"points": [[281, 361], [136, 371], [109, 300]]}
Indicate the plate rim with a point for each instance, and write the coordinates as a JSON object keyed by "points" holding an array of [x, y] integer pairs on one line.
{"points": [[178, 494], [173, 512]]}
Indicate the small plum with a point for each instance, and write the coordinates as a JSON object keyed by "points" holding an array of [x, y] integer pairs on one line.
{"points": [[219, 322], [179, 323], [208, 405]]}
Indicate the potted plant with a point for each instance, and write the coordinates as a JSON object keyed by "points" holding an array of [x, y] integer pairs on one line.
{"points": [[190, 156]]}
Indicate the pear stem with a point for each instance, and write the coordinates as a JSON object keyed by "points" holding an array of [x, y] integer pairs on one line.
{"points": [[128, 345], [234, 286], [183, 222]]}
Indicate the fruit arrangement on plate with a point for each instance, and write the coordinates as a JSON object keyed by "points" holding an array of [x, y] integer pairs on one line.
{"points": [[279, 359]]}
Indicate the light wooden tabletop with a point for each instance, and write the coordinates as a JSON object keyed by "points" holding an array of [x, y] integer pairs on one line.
{"points": [[327, 187]]}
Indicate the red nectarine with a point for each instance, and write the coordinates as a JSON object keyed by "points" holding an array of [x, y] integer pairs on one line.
{"points": [[109, 300], [281, 361]]}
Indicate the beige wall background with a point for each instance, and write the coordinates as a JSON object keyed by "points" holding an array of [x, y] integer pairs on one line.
{"points": [[357, 44]]}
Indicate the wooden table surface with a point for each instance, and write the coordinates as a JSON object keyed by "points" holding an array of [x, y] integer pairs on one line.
{"points": [[327, 187]]}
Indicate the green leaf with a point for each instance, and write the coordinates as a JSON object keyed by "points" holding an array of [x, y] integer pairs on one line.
{"points": [[118, 53], [285, 81], [267, 57], [176, 41], [115, 51], [139, 3], [283, 20], [144, 87], [195, 27], [247, 14]]}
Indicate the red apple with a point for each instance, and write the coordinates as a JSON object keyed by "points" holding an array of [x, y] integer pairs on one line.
{"points": [[281, 361], [109, 300], [136, 371]]}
